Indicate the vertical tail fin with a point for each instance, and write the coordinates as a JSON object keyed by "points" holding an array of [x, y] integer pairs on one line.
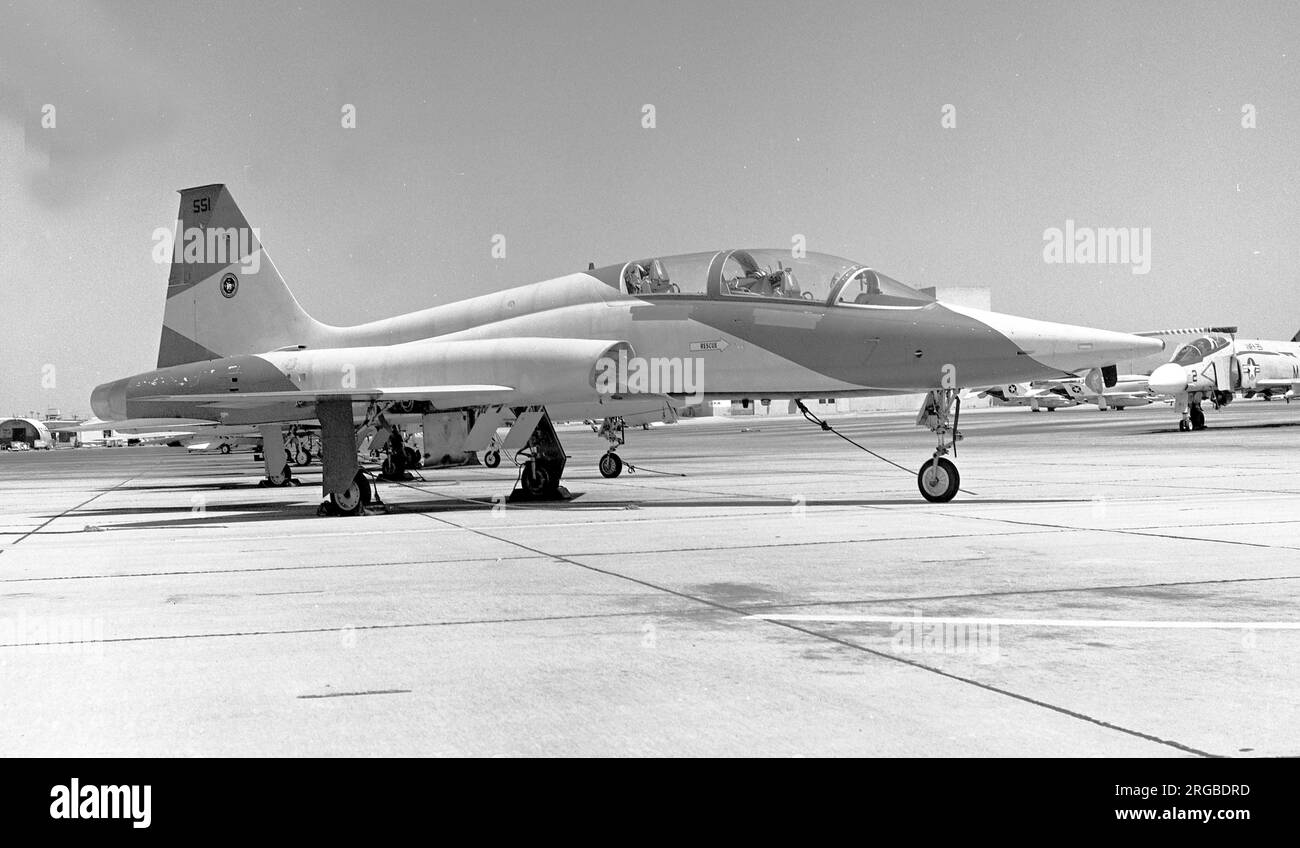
{"points": [[224, 295]]}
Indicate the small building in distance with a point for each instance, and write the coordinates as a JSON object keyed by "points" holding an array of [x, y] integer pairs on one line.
{"points": [[29, 431]]}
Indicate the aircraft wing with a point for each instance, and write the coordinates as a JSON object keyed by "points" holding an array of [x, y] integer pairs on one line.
{"points": [[1187, 331], [1017, 395], [138, 425], [450, 396]]}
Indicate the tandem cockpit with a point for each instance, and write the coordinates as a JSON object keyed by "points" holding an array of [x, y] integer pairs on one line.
{"points": [[1196, 351], [774, 275]]}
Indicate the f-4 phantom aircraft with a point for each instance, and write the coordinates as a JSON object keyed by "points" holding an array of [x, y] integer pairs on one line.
{"points": [[238, 349], [1216, 367]]}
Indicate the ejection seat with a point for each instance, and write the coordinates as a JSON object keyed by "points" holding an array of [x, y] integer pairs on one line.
{"points": [[658, 280]]}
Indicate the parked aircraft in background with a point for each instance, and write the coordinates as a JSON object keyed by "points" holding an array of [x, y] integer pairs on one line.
{"points": [[97, 432], [238, 349], [1104, 388], [1127, 390], [1033, 395], [224, 444], [1217, 367]]}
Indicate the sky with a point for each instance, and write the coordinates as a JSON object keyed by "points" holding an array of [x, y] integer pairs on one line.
{"points": [[528, 121]]}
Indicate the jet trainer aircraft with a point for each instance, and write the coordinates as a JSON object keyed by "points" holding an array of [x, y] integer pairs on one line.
{"points": [[1216, 367], [238, 349]]}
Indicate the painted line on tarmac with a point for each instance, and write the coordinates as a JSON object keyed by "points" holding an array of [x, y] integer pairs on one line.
{"points": [[838, 640], [1089, 623], [69, 510], [355, 694]]}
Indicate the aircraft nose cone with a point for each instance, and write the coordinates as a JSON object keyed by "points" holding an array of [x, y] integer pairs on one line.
{"points": [[1066, 346], [108, 401], [1168, 379]]}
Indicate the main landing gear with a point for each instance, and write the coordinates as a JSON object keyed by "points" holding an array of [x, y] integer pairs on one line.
{"points": [[355, 498], [301, 447], [399, 457], [938, 479], [283, 477], [275, 458], [539, 479], [348, 490]]}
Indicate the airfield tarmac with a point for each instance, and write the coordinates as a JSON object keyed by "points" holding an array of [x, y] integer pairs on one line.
{"points": [[1108, 586]]}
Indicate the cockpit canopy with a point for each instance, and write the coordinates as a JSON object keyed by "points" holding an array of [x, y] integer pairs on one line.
{"points": [[1195, 351], [766, 274]]}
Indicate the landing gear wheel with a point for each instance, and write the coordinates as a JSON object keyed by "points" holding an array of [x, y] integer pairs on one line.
{"points": [[1184, 425], [1198, 418], [533, 479], [281, 478], [938, 484], [354, 498], [301, 457], [611, 465], [492, 459], [225, 449]]}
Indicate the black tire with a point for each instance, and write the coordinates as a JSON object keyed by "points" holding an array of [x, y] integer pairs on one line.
{"points": [[492, 459], [355, 498], [1183, 426], [938, 484], [301, 457], [533, 479], [225, 449], [281, 479], [611, 465], [1198, 418]]}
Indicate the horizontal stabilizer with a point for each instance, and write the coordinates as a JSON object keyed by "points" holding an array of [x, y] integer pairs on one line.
{"points": [[136, 425]]}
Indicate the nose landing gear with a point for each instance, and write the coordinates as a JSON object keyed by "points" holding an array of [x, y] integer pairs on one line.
{"points": [[940, 412], [612, 430], [611, 464], [1193, 417], [938, 480]]}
